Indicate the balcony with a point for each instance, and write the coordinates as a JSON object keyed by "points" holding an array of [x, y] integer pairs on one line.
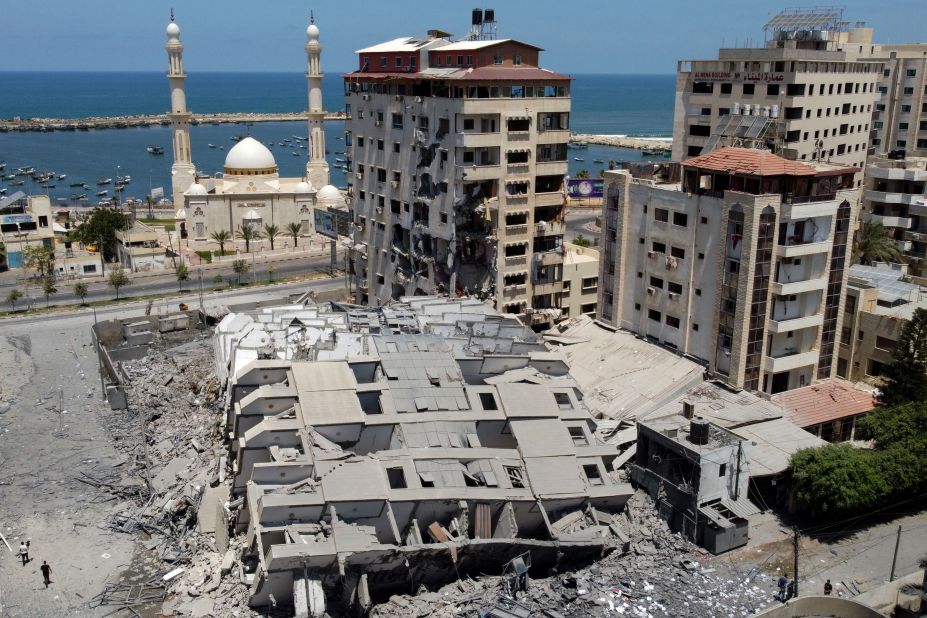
{"points": [[899, 170], [893, 197], [512, 292], [904, 245], [551, 258], [550, 168], [798, 249], [799, 287], [553, 136], [516, 230], [478, 140], [516, 169], [479, 172], [549, 228], [554, 287], [790, 361], [554, 198], [516, 261], [807, 210], [888, 220], [789, 325]]}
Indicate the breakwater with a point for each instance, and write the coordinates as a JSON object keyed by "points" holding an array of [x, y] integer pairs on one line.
{"points": [[47, 125]]}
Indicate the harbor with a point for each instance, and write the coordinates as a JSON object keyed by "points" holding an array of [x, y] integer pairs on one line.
{"points": [[653, 145]]}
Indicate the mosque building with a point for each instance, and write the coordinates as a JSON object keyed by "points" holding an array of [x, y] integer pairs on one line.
{"points": [[250, 191]]}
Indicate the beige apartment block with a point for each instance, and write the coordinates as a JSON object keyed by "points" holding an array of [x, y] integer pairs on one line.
{"points": [[580, 281], [458, 152], [737, 258], [807, 95], [899, 119], [895, 196]]}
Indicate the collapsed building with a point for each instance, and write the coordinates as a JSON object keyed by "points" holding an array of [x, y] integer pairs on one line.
{"points": [[378, 449]]}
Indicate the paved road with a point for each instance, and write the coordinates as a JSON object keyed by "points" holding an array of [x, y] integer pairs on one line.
{"points": [[581, 221], [147, 284]]}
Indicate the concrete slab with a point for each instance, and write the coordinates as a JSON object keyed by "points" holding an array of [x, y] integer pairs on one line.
{"points": [[206, 515], [168, 475]]}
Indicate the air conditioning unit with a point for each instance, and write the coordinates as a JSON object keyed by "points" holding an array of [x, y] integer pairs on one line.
{"points": [[358, 175], [379, 210], [651, 254], [418, 99], [398, 97], [378, 123], [651, 290], [394, 184], [366, 97], [673, 295]]}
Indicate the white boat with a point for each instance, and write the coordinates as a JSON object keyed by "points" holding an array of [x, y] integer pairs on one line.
{"points": [[295, 154], [211, 145], [578, 159], [102, 193], [104, 181], [62, 176]]}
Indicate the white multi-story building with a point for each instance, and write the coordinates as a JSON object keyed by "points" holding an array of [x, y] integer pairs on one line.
{"points": [[737, 258], [808, 95], [899, 119], [459, 152]]}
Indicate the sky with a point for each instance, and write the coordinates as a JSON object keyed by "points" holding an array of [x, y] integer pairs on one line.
{"points": [[584, 36]]}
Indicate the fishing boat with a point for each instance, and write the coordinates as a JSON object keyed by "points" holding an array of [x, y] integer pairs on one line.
{"points": [[102, 193], [76, 184], [18, 183], [104, 181], [86, 187], [221, 147], [237, 138], [155, 150], [339, 160], [46, 185], [3, 191], [578, 159], [598, 161], [295, 154], [123, 180], [24, 171], [82, 196], [9, 177], [651, 153], [61, 176], [2, 165], [211, 145]]}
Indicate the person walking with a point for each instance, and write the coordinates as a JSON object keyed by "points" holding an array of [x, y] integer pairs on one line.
{"points": [[24, 551], [46, 573], [783, 586], [828, 588]]}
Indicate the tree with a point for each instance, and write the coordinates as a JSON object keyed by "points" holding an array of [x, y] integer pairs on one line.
{"points": [[81, 289], [906, 376], [871, 243], [247, 234], [221, 237], [240, 267], [100, 229], [11, 298], [48, 288], [270, 273], [581, 241], [117, 279], [40, 258], [271, 231], [582, 174], [183, 274], [295, 230], [218, 280]]}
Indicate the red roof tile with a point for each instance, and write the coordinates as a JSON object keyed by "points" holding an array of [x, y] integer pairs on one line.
{"points": [[749, 161], [823, 402]]}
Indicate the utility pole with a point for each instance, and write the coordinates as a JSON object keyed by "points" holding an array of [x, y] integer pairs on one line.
{"points": [[334, 258], [891, 577], [795, 559]]}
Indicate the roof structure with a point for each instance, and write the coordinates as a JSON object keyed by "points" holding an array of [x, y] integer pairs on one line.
{"points": [[750, 162], [401, 44], [824, 402], [890, 281], [824, 18], [479, 73], [478, 44]]}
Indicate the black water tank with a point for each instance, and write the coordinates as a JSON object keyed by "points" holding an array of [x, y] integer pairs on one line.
{"points": [[477, 17], [698, 431], [490, 15]]}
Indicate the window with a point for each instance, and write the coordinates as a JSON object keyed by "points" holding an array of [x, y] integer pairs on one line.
{"points": [[497, 60], [911, 72], [360, 141], [488, 401], [772, 90], [459, 60], [698, 291], [722, 470], [398, 61], [469, 60], [592, 474], [637, 306], [578, 436], [654, 315], [516, 476], [680, 218], [726, 88], [902, 126], [661, 214], [397, 478], [516, 60], [659, 247], [396, 146], [656, 282], [383, 61], [905, 108], [678, 252], [397, 121], [694, 326], [701, 255], [672, 322], [563, 401], [379, 144], [590, 282], [749, 88], [674, 288]]}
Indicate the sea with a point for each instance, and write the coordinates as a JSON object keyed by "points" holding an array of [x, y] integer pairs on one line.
{"points": [[634, 105]]}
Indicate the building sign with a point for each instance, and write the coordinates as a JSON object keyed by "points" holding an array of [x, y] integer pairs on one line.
{"points": [[753, 76], [325, 223], [712, 76], [14, 219], [585, 187], [773, 78]]}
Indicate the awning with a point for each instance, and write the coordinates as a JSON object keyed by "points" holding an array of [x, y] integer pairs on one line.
{"points": [[741, 507], [518, 117], [518, 150]]}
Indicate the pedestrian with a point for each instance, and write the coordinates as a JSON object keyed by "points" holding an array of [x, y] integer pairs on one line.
{"points": [[24, 551], [828, 588], [46, 573], [783, 584]]}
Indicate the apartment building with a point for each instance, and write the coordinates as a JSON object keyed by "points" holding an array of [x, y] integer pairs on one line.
{"points": [[899, 118], [737, 258], [895, 196], [25, 221], [580, 281], [458, 150], [807, 95], [376, 450]]}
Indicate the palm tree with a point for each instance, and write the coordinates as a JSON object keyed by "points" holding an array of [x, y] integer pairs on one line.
{"points": [[295, 230], [247, 234], [582, 174], [221, 237], [872, 243], [271, 231]]}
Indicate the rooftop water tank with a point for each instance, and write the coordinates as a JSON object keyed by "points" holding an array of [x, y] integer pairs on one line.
{"points": [[698, 431]]}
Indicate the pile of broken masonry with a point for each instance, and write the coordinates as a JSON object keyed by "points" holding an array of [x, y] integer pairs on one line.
{"points": [[660, 575]]}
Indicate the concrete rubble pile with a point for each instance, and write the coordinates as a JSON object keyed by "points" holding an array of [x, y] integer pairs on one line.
{"points": [[173, 490], [660, 574]]}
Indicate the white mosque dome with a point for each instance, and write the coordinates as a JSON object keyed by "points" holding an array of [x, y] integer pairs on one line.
{"points": [[197, 189], [303, 187], [250, 157], [329, 194], [312, 32], [173, 31]]}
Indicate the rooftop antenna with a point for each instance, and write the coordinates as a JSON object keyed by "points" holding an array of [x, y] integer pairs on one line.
{"points": [[311, 17], [172, 13]]}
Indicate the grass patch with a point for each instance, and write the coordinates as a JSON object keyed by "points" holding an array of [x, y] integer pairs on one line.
{"points": [[207, 255], [167, 223]]}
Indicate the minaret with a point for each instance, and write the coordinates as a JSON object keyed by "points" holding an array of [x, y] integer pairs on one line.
{"points": [[317, 168], [183, 173]]}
